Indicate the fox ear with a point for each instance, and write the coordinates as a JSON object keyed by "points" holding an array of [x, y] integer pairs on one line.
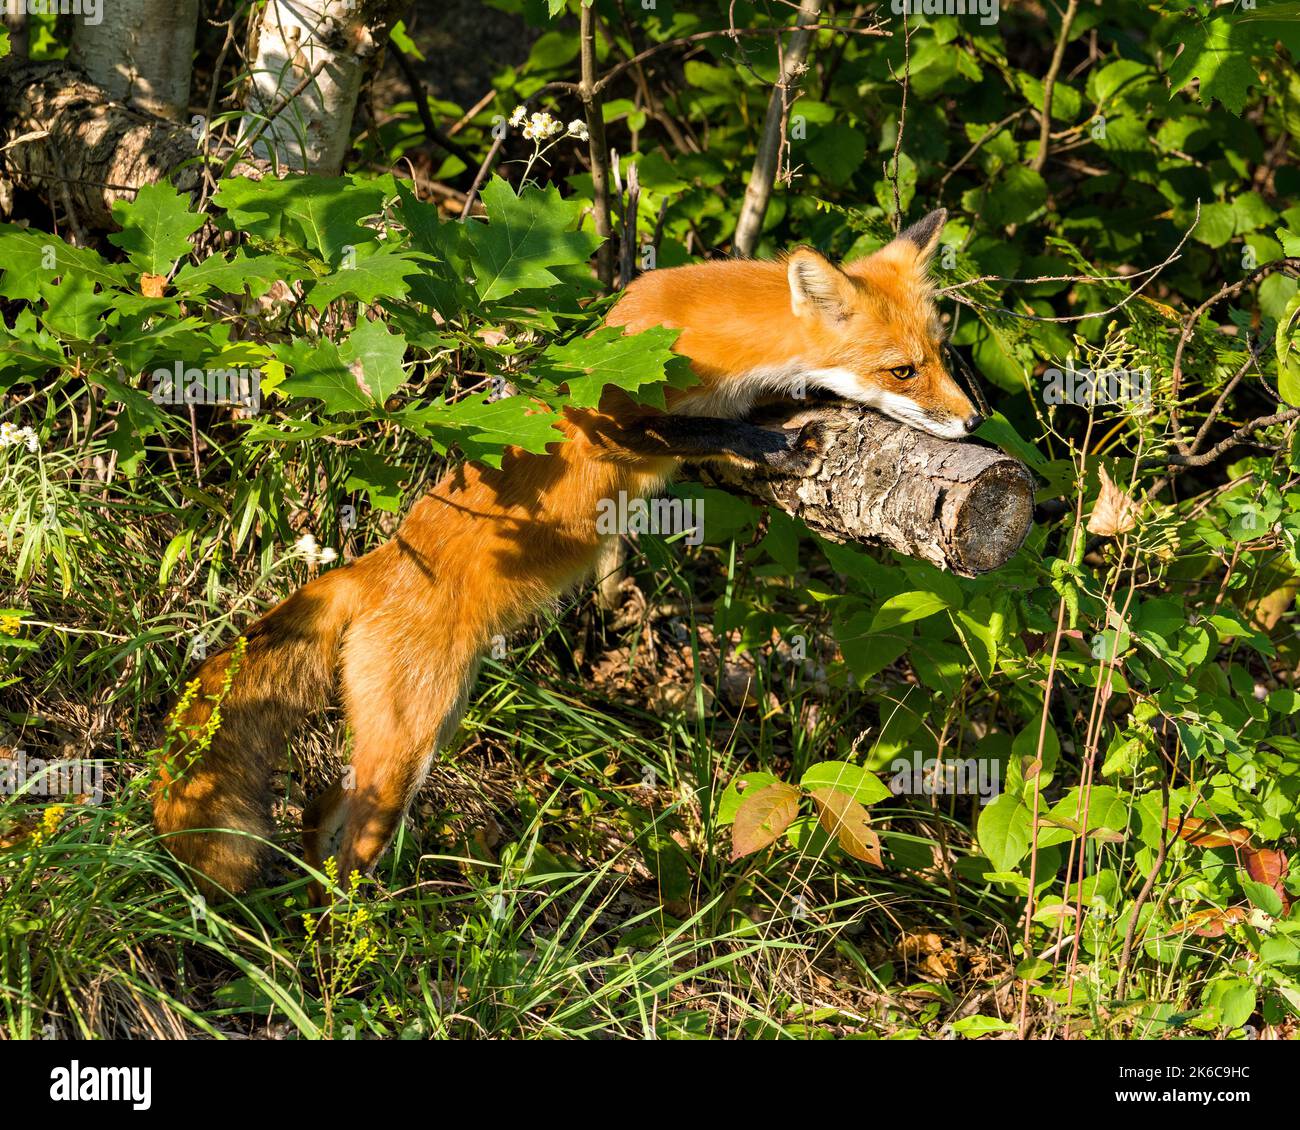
{"points": [[817, 286], [919, 241]]}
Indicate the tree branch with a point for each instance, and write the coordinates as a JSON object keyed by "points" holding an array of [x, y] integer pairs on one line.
{"points": [[1049, 83], [597, 148]]}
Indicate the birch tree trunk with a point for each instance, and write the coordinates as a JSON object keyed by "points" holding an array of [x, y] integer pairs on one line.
{"points": [[759, 190], [311, 58], [140, 52]]}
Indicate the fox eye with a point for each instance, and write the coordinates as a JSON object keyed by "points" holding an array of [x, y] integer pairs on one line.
{"points": [[903, 372]]}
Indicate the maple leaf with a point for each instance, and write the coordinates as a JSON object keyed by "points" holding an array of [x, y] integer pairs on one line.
{"points": [[156, 227], [525, 238]]}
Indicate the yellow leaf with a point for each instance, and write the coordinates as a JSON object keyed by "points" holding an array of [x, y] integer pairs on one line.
{"points": [[846, 820]]}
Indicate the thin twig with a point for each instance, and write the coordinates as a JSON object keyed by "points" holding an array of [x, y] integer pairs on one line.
{"points": [[730, 33], [1149, 272], [1049, 83], [280, 107], [1147, 887], [1289, 265], [896, 220], [1178, 462], [431, 130]]}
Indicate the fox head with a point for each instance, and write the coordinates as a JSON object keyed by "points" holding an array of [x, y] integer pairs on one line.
{"points": [[872, 333]]}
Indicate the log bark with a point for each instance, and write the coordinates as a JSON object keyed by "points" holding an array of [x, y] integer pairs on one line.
{"points": [[61, 137], [961, 506]]}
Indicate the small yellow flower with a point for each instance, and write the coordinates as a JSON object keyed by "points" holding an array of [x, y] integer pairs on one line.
{"points": [[51, 817], [9, 625]]}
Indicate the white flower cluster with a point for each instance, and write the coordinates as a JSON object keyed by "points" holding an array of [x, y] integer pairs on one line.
{"points": [[11, 435], [541, 126], [315, 555]]}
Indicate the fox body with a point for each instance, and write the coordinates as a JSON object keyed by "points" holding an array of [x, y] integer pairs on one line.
{"points": [[401, 629]]}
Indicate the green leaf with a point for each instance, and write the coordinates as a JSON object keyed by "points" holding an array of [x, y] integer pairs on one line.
{"points": [[73, 308], [483, 429], [854, 781], [1216, 54], [904, 607], [1262, 895], [1004, 831], [981, 629], [865, 651], [1287, 341], [377, 274], [837, 151], [358, 376], [325, 213], [237, 273], [1012, 198], [1107, 810], [1234, 998], [633, 362], [31, 257], [380, 480], [525, 239], [975, 1026], [156, 227]]}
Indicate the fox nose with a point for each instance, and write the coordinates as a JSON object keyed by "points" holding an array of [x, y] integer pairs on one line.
{"points": [[973, 421]]}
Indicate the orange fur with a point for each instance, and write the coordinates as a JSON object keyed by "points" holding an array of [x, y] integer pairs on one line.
{"points": [[403, 627]]}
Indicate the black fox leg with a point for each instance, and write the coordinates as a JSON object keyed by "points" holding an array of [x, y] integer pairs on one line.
{"points": [[708, 437]]}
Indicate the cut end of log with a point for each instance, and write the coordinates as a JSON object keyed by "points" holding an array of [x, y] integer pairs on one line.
{"points": [[994, 518]]}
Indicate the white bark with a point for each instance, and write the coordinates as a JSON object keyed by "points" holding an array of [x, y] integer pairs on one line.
{"points": [[140, 52], [759, 190], [319, 46]]}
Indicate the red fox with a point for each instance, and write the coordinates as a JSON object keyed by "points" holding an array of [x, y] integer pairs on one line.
{"points": [[404, 626]]}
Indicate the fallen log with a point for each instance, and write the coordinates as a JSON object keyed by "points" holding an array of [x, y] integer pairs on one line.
{"points": [[63, 138], [964, 507]]}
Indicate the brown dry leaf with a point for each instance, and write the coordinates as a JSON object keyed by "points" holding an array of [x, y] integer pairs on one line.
{"points": [[667, 699], [762, 817], [846, 820], [1211, 922], [153, 286], [1199, 833], [1268, 866], [358, 371], [927, 953], [1115, 511]]}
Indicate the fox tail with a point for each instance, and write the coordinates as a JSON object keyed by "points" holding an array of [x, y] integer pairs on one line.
{"points": [[231, 726]]}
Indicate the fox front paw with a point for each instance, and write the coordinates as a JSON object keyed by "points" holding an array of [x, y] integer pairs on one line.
{"points": [[803, 451]]}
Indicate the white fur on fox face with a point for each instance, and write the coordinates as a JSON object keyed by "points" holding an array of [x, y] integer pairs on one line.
{"points": [[735, 398], [846, 383]]}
